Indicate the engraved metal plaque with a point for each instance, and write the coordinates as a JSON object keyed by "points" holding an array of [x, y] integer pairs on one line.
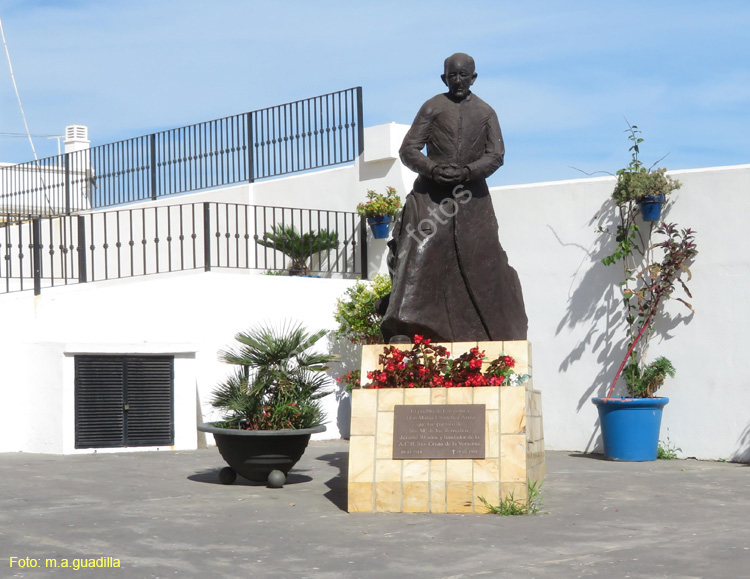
{"points": [[423, 431]]}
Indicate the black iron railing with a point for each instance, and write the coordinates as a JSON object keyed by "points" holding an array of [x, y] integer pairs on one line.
{"points": [[41, 252], [308, 134]]}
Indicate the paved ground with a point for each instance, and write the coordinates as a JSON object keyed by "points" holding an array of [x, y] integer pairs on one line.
{"points": [[165, 515]]}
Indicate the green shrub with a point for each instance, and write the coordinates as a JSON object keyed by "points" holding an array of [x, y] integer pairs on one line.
{"points": [[355, 311], [644, 382]]}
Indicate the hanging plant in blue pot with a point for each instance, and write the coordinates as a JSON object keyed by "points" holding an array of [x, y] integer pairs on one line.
{"points": [[380, 226], [651, 207], [653, 269], [380, 211], [648, 188]]}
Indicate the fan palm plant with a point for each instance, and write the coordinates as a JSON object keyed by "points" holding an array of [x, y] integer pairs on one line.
{"points": [[278, 382], [299, 247]]}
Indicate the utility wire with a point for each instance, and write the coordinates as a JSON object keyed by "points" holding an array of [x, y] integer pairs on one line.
{"points": [[23, 115], [7, 135], [15, 87]]}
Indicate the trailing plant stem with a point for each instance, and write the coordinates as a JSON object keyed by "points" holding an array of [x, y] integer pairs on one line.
{"points": [[647, 282], [630, 350]]}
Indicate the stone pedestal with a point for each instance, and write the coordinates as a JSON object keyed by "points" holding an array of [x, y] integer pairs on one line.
{"points": [[514, 443]]}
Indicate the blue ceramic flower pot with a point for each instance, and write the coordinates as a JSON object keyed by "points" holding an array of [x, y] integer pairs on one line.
{"points": [[651, 207], [630, 427], [380, 226]]}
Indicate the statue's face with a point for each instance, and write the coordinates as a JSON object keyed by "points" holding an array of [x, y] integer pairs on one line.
{"points": [[459, 76]]}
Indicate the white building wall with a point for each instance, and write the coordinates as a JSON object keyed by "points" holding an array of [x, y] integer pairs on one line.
{"points": [[192, 315], [575, 312]]}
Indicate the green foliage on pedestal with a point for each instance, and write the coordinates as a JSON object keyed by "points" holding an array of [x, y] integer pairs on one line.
{"points": [[355, 312]]}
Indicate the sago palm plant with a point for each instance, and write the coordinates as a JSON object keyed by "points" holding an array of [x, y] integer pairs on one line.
{"points": [[278, 382], [299, 247]]}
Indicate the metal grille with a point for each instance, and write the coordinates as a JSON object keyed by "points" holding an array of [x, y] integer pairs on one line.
{"points": [[149, 400], [308, 134], [302, 135], [123, 401], [47, 252], [99, 393]]}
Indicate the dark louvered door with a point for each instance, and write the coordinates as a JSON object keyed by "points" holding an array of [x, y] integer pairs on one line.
{"points": [[100, 418], [124, 401], [148, 401]]}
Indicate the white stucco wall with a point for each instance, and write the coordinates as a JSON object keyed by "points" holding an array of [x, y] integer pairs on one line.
{"points": [[573, 303], [191, 315]]}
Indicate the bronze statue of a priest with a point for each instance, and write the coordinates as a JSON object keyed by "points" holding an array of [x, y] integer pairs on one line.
{"points": [[451, 278]]}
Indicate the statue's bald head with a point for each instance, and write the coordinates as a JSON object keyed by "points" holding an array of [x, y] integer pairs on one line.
{"points": [[459, 59], [459, 75]]}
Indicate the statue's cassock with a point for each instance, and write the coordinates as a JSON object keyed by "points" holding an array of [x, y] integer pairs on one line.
{"points": [[451, 278]]}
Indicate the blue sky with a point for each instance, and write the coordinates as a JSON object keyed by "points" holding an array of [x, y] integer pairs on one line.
{"points": [[562, 76]]}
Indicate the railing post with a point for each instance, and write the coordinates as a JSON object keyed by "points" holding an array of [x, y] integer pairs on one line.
{"points": [[152, 143], [82, 273], [360, 123], [206, 236], [363, 246], [67, 184], [250, 149], [36, 254]]}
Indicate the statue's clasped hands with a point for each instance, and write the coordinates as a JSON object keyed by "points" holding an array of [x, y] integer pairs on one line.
{"points": [[450, 175]]}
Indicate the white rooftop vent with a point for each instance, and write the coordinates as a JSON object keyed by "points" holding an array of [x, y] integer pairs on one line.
{"points": [[76, 138], [76, 133]]}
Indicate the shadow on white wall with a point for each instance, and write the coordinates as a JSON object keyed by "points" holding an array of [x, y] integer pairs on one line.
{"points": [[596, 297], [742, 454]]}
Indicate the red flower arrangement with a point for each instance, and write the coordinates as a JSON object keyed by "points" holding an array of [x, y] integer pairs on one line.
{"points": [[350, 380], [430, 366]]}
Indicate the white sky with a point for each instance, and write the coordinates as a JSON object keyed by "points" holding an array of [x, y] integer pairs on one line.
{"points": [[561, 75]]}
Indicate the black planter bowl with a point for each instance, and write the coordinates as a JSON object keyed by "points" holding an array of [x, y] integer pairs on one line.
{"points": [[259, 455]]}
